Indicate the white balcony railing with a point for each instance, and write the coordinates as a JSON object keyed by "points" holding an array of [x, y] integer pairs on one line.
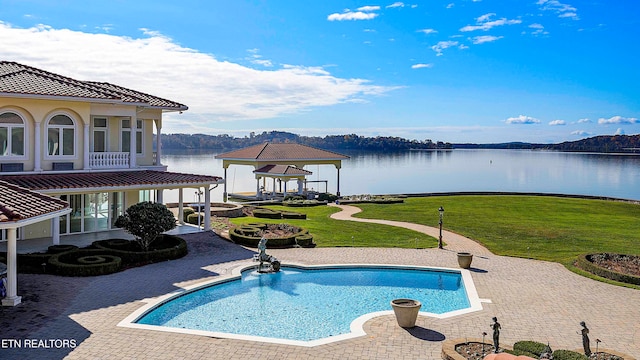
{"points": [[108, 160]]}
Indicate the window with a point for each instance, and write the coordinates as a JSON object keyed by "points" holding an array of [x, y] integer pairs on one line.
{"points": [[126, 137], [61, 136], [99, 143], [11, 134]]}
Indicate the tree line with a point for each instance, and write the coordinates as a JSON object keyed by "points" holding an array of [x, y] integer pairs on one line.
{"points": [[603, 143], [350, 141]]}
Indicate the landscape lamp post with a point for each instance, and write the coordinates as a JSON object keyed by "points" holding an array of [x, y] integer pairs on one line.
{"points": [[441, 211]]}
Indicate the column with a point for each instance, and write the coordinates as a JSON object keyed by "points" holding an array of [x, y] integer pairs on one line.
{"points": [[37, 157], [258, 192], [158, 143], [159, 196], [12, 298], [55, 230], [85, 158], [224, 194], [300, 186], [133, 127], [338, 188], [207, 208], [180, 206]]}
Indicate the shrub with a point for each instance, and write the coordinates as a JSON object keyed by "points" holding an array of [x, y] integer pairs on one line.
{"points": [[32, 263], [327, 197], [260, 226], [193, 219], [146, 220], [568, 355], [84, 262], [533, 347], [186, 212], [586, 263]]}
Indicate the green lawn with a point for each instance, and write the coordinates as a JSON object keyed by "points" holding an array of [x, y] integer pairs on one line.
{"points": [[330, 233], [540, 227]]}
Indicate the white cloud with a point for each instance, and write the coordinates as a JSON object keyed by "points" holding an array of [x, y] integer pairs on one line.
{"points": [[369, 8], [421, 66], [443, 45], [485, 38], [618, 120], [484, 18], [214, 90], [584, 121], [538, 29], [557, 122], [396, 5], [581, 133], [450, 5], [483, 23], [619, 131], [427, 31], [358, 15], [522, 120], [563, 10]]}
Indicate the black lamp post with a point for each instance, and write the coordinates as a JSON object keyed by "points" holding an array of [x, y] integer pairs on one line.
{"points": [[441, 211]]}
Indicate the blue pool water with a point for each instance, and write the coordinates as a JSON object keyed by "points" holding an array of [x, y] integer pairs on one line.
{"points": [[307, 304]]}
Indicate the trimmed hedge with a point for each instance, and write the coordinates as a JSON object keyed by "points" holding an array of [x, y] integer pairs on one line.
{"points": [[236, 234], [69, 263], [294, 215], [585, 262], [186, 211], [301, 203], [32, 263], [166, 247], [532, 347], [305, 240], [568, 355], [267, 213], [56, 249], [193, 219]]}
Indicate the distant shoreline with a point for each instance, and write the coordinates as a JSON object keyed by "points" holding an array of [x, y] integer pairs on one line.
{"points": [[623, 144]]}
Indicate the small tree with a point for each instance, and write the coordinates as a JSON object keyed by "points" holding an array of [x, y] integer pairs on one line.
{"points": [[145, 221]]}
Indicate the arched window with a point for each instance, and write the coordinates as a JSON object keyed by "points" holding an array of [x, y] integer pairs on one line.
{"points": [[60, 136], [11, 134]]}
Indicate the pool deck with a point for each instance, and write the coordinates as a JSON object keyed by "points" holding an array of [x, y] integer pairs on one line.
{"points": [[532, 299]]}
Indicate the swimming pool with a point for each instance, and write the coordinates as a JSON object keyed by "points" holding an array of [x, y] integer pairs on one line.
{"points": [[307, 305]]}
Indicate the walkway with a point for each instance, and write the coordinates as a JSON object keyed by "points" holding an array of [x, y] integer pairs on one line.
{"points": [[532, 299], [453, 241]]}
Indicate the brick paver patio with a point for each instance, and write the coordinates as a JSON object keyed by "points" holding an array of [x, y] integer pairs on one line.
{"points": [[533, 300]]}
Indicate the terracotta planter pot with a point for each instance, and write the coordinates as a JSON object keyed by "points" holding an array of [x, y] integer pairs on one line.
{"points": [[464, 259], [406, 311]]}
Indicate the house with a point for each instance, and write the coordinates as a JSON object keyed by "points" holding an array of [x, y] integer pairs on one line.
{"points": [[89, 144]]}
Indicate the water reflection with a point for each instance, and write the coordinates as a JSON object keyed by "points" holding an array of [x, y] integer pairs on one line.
{"points": [[613, 175]]}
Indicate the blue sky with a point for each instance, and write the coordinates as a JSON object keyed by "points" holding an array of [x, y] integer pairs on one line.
{"points": [[456, 70]]}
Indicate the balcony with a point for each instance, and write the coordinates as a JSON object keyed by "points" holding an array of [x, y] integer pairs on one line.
{"points": [[109, 160]]}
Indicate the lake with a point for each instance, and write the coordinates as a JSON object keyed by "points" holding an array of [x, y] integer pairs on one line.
{"points": [[408, 172]]}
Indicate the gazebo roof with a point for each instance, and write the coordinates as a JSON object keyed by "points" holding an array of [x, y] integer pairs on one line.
{"points": [[282, 170], [281, 152]]}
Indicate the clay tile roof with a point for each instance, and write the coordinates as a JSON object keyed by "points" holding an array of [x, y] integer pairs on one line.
{"points": [[107, 180], [282, 170], [26, 80], [281, 152], [18, 203]]}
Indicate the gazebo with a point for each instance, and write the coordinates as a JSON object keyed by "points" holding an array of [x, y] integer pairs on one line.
{"points": [[280, 161], [20, 207]]}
